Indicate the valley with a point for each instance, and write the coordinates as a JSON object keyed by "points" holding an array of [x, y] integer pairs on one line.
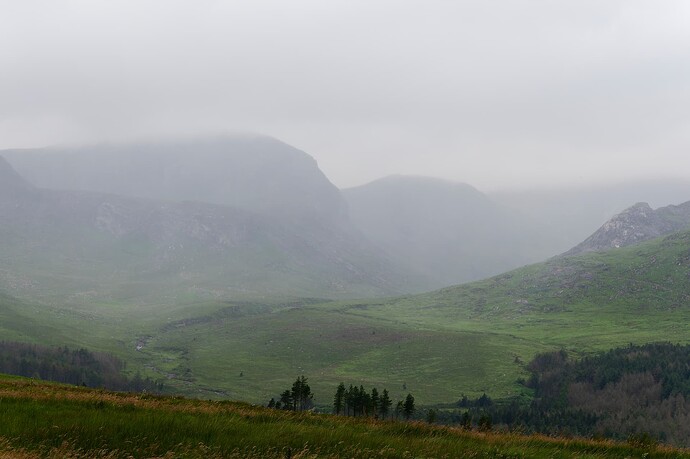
{"points": [[468, 339], [307, 229], [234, 300]]}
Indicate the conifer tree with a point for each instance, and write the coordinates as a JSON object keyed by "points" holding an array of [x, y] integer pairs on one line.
{"points": [[301, 394], [398, 409], [286, 400], [349, 400], [385, 404], [408, 406], [375, 402], [339, 399], [364, 401]]}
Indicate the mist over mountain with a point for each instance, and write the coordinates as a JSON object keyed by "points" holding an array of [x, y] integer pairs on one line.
{"points": [[90, 244], [399, 234], [448, 232], [256, 173]]}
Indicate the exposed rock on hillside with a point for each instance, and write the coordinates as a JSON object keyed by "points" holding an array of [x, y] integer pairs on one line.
{"points": [[634, 225]]}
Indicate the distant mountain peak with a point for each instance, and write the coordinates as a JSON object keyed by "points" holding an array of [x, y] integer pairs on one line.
{"points": [[635, 224], [420, 181]]}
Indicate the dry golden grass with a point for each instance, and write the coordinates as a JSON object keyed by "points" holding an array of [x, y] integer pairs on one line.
{"points": [[99, 424]]}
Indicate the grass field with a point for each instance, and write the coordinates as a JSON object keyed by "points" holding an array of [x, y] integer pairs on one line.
{"points": [[54, 421]]}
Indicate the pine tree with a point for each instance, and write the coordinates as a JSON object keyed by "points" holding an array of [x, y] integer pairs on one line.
{"points": [[364, 401], [301, 394], [339, 399], [356, 401], [408, 406], [286, 400], [466, 420], [349, 400], [375, 402], [398, 409], [385, 404], [431, 416]]}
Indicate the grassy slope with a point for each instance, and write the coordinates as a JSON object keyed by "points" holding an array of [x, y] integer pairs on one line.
{"points": [[49, 420], [466, 339], [584, 303]]}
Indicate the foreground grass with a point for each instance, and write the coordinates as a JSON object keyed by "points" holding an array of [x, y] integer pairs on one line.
{"points": [[56, 421]]}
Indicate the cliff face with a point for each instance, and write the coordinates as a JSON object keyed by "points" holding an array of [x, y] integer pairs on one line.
{"points": [[634, 225]]}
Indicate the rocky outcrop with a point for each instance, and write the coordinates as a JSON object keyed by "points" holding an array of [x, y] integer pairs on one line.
{"points": [[634, 225]]}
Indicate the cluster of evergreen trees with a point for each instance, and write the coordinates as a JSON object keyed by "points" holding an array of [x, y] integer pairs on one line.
{"points": [[622, 393], [299, 398], [356, 401], [352, 401], [71, 366]]}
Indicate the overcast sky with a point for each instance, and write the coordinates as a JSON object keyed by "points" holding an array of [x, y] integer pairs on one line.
{"points": [[493, 93]]}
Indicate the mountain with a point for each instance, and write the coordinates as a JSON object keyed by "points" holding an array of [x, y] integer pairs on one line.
{"points": [[254, 173], [566, 216], [634, 225], [84, 245], [448, 232]]}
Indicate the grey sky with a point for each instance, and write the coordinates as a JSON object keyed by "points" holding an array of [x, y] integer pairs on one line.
{"points": [[494, 93]]}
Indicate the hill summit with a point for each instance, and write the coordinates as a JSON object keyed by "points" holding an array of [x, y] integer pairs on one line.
{"points": [[249, 172]]}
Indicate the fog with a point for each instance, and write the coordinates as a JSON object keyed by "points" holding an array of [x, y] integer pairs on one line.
{"points": [[496, 94]]}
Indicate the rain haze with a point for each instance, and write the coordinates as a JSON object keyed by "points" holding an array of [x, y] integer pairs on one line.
{"points": [[341, 216], [500, 95]]}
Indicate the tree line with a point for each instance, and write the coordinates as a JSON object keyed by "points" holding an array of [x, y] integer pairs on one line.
{"points": [[356, 401], [633, 392], [71, 366], [352, 401]]}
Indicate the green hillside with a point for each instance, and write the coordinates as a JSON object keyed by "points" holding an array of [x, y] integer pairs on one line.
{"points": [[467, 339], [589, 302], [54, 421]]}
